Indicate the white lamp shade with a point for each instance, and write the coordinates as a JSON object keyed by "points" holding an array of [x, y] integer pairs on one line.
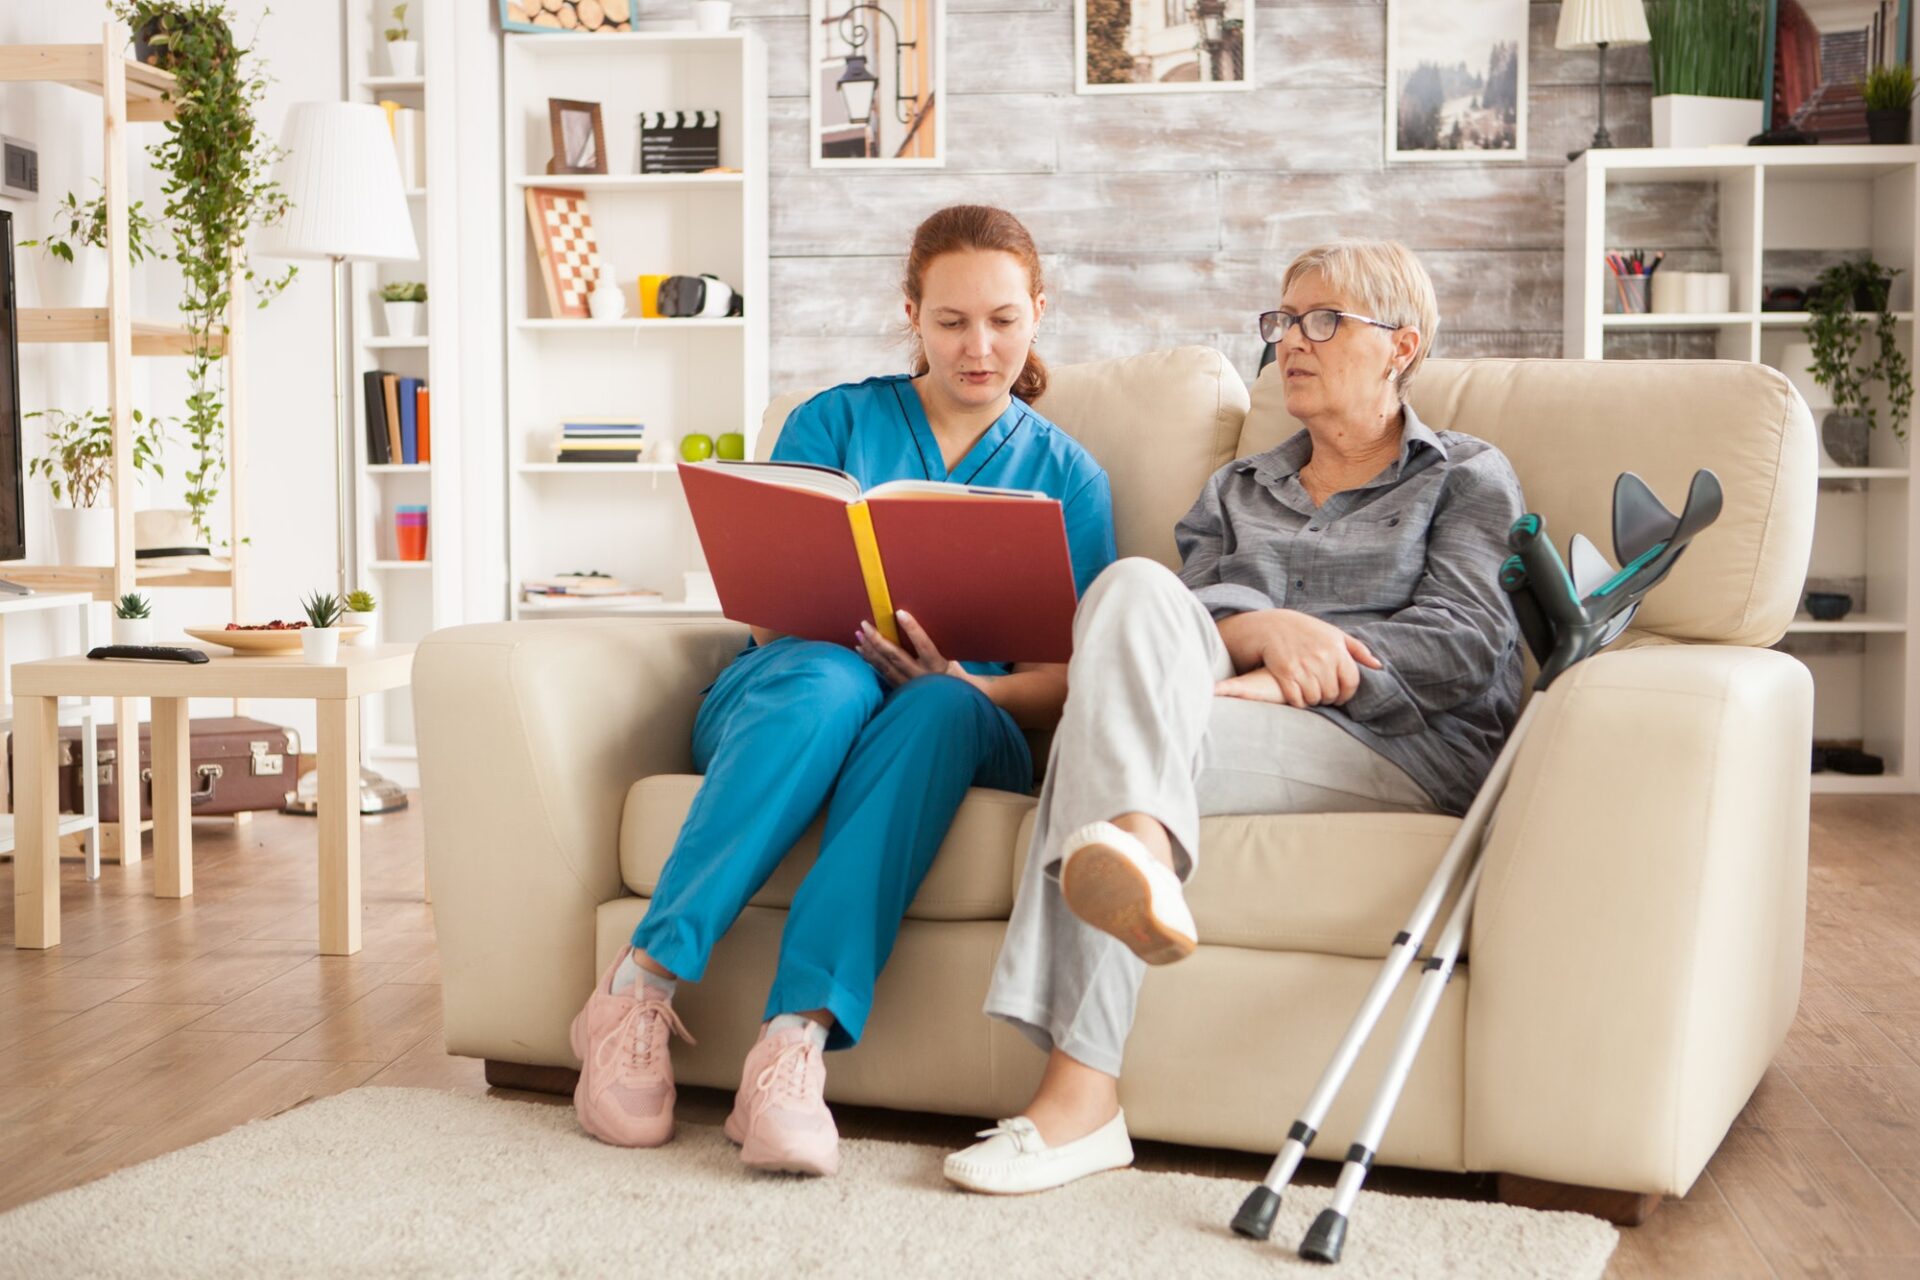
{"points": [[341, 176], [1587, 24]]}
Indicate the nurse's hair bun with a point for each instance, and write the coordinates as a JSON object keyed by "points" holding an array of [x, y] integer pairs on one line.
{"points": [[976, 226]]}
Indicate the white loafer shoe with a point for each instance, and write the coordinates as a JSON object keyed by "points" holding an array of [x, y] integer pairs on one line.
{"points": [[1015, 1159], [1110, 880]]}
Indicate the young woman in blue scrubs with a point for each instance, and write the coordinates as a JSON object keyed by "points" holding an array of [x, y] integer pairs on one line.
{"points": [[887, 738]]}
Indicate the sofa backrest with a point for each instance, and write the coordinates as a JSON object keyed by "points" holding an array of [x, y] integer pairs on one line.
{"points": [[1160, 423], [1571, 426]]}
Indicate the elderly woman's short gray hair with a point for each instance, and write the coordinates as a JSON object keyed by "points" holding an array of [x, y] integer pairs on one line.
{"points": [[1382, 279]]}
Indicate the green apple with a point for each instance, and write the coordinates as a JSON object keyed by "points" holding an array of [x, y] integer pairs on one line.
{"points": [[733, 446], [696, 448]]}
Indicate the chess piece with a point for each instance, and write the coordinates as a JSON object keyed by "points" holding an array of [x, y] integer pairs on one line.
{"points": [[607, 301]]}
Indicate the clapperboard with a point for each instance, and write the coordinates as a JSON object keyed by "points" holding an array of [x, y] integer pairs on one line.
{"points": [[679, 141]]}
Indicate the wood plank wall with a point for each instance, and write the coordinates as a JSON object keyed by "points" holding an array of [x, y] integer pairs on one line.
{"points": [[1167, 218]]}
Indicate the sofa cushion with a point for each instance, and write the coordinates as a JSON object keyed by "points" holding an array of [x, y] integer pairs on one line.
{"points": [[1160, 423], [1333, 883], [1570, 426], [968, 880]]}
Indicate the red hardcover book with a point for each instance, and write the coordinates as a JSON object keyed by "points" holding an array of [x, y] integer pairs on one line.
{"points": [[424, 445], [801, 550]]}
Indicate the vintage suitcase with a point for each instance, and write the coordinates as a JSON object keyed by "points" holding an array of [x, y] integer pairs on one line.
{"points": [[238, 764]]}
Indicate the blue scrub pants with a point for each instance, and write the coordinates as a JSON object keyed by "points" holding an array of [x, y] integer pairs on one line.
{"points": [[786, 728]]}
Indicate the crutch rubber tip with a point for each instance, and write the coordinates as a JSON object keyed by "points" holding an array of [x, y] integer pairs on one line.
{"points": [[1325, 1238], [1255, 1219]]}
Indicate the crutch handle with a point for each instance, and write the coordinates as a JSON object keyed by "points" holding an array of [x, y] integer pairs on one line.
{"points": [[1534, 626], [1551, 584]]}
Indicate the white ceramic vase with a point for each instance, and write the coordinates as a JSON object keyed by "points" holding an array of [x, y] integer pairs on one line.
{"points": [[1694, 120], [132, 630], [403, 319], [83, 535], [320, 644], [403, 57], [80, 283], [365, 620], [712, 16]]}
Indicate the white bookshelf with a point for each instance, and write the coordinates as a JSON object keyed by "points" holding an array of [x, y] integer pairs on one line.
{"points": [[677, 376], [415, 597], [1807, 201]]}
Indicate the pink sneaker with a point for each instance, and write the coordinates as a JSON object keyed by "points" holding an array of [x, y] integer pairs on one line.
{"points": [[780, 1117], [625, 1095]]}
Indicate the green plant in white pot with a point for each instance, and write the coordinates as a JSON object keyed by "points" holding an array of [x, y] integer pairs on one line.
{"points": [[1709, 57], [71, 267], [78, 468], [133, 619], [359, 613], [403, 51], [320, 638], [406, 302]]}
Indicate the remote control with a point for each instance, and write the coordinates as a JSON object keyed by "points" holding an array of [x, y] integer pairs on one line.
{"points": [[149, 652]]}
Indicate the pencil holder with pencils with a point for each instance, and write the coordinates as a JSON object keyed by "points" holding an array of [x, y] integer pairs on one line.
{"points": [[1630, 275]]}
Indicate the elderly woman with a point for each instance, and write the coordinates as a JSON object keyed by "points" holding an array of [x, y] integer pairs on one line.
{"points": [[1336, 640]]}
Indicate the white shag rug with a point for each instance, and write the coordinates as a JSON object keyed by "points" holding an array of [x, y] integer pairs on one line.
{"points": [[415, 1182]]}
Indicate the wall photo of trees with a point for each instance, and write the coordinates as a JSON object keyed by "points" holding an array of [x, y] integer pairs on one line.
{"points": [[1456, 79]]}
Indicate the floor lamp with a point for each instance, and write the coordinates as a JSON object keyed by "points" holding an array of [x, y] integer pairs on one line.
{"points": [[341, 177]]}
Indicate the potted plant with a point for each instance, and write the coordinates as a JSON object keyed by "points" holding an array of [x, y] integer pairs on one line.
{"points": [[1888, 93], [78, 467], [1708, 60], [72, 263], [1839, 303], [320, 638], [359, 613], [403, 51], [133, 619], [217, 168], [405, 302]]}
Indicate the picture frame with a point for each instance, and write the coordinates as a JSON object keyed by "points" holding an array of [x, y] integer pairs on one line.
{"points": [[1163, 46], [1456, 80], [604, 17], [579, 137], [888, 57]]}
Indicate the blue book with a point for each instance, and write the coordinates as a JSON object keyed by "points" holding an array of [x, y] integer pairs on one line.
{"points": [[409, 421]]}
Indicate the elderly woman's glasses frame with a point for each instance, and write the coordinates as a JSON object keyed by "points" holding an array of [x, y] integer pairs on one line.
{"points": [[1318, 325]]}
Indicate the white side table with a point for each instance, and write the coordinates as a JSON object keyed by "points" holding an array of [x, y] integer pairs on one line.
{"points": [[81, 713]]}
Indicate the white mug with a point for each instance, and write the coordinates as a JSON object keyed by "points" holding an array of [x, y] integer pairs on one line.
{"points": [[712, 16]]}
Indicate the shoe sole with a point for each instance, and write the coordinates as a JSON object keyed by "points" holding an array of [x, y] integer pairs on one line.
{"points": [[765, 1164], [1104, 888]]}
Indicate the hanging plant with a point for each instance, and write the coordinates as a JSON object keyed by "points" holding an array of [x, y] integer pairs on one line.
{"points": [[1839, 303], [218, 186], [85, 225]]}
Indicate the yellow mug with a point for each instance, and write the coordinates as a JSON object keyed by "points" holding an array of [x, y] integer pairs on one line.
{"points": [[650, 296]]}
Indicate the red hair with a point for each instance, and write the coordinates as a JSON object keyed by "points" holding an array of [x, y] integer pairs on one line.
{"points": [[976, 226]]}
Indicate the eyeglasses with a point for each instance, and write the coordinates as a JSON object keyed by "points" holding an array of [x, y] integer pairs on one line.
{"points": [[1318, 325]]}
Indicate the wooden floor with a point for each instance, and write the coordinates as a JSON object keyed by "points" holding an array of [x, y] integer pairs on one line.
{"points": [[159, 1024]]}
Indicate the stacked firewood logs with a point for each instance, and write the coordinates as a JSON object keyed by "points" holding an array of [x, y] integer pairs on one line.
{"points": [[573, 15]]}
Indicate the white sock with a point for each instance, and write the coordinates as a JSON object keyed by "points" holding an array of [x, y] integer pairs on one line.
{"points": [[630, 972], [787, 1021]]}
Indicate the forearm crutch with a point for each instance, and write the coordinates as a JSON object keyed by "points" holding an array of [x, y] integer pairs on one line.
{"points": [[1565, 618]]}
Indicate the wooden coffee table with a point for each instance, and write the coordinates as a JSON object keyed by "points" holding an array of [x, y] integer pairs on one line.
{"points": [[336, 690]]}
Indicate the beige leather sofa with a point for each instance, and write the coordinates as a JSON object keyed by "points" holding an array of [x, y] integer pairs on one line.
{"points": [[1635, 956]]}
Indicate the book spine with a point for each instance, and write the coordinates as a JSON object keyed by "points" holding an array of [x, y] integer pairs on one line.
{"points": [[878, 598]]}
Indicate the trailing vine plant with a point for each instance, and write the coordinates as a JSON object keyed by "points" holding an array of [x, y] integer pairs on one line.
{"points": [[1838, 334], [218, 186]]}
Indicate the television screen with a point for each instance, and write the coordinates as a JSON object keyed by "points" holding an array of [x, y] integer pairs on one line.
{"points": [[13, 515]]}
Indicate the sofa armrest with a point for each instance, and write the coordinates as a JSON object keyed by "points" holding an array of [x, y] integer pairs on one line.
{"points": [[1636, 946], [530, 735]]}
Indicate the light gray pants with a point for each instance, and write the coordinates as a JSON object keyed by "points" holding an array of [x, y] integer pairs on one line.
{"points": [[1144, 733]]}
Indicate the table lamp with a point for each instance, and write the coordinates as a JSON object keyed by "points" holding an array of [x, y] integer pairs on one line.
{"points": [[1595, 24], [341, 177]]}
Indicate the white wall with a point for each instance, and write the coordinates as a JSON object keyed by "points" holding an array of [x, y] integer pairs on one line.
{"points": [[287, 486]]}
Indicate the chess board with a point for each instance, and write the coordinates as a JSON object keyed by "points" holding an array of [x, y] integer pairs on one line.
{"points": [[562, 228]]}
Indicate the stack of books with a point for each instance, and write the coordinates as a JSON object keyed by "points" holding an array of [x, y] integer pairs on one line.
{"points": [[585, 588], [601, 440], [399, 414], [409, 128]]}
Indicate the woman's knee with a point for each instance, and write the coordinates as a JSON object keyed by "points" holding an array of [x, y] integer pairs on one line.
{"points": [[829, 678]]}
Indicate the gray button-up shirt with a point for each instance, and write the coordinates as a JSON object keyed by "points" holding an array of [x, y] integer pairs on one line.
{"points": [[1409, 563]]}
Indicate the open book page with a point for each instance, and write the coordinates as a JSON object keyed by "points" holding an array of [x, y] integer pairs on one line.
{"points": [[806, 476], [945, 489]]}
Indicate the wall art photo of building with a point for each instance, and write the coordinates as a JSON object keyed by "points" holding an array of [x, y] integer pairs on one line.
{"points": [[1147, 46]]}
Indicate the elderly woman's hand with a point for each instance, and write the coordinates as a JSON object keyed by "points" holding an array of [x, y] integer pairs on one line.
{"points": [[1303, 662]]}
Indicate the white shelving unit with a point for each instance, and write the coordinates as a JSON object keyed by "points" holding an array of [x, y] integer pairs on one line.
{"points": [[676, 376], [415, 597], [1814, 203]]}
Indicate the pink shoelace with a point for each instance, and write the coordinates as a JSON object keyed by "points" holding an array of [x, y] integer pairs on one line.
{"points": [[785, 1078], [640, 1036]]}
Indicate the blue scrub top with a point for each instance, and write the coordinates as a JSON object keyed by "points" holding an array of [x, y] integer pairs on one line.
{"points": [[877, 431]]}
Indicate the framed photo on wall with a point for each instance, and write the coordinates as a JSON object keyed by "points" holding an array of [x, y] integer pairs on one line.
{"points": [[579, 137], [1162, 46], [877, 71], [1456, 79]]}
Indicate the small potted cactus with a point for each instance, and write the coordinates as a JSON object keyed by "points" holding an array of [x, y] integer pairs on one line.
{"points": [[133, 619], [406, 301], [359, 613], [320, 639]]}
